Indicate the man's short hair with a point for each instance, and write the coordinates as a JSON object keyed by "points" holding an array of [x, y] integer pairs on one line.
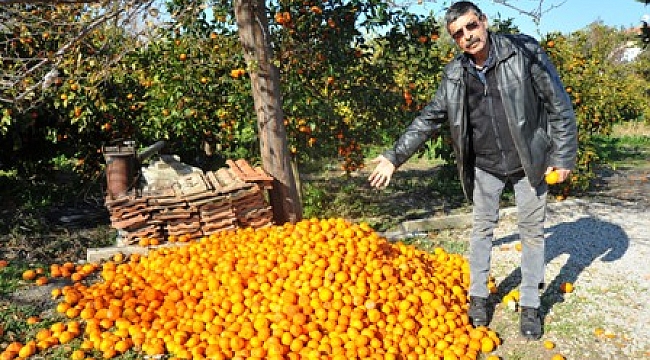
{"points": [[459, 9]]}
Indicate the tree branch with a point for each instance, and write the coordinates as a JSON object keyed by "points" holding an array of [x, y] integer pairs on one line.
{"points": [[64, 49], [49, 2], [535, 14], [31, 76]]}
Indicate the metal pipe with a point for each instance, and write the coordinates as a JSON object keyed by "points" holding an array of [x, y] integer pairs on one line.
{"points": [[150, 150]]}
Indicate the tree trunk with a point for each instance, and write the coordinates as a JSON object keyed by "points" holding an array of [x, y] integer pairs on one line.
{"points": [[265, 78]]}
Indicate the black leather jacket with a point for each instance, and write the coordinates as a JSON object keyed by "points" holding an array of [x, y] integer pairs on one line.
{"points": [[538, 109]]}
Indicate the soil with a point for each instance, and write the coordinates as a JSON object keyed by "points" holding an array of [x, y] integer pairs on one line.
{"points": [[55, 235], [629, 184]]}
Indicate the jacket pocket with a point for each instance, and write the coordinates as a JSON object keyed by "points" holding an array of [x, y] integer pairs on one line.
{"points": [[540, 150]]}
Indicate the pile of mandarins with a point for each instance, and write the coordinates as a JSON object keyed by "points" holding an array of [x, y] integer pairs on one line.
{"points": [[297, 291]]}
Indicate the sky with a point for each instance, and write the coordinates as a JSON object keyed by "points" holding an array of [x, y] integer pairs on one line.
{"points": [[566, 16]]}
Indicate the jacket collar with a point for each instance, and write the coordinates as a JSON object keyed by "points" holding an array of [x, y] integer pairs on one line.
{"points": [[501, 46]]}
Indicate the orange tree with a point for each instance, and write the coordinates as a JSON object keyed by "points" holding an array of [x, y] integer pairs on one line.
{"points": [[642, 67], [354, 74], [64, 120], [37, 37], [340, 89], [116, 84], [189, 86], [186, 85], [604, 92], [415, 61], [95, 108], [64, 104], [194, 93]]}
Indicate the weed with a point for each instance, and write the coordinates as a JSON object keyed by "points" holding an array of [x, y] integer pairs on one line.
{"points": [[14, 319], [445, 239], [10, 277]]}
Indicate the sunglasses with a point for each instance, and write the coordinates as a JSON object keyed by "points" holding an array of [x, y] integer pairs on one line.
{"points": [[471, 26]]}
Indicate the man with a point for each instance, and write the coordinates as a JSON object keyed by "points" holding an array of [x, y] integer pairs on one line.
{"points": [[511, 121]]}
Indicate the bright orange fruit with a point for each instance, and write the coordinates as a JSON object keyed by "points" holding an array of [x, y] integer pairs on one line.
{"points": [[566, 287], [552, 177]]}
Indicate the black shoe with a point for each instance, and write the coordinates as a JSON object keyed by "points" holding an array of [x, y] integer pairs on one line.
{"points": [[478, 311], [531, 323]]}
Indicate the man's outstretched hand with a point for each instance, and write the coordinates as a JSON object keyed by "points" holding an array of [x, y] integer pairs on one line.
{"points": [[381, 175]]}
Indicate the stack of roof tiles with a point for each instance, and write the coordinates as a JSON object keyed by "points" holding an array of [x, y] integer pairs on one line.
{"points": [[196, 205]]}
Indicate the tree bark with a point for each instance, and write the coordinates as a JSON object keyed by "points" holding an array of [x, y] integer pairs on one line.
{"points": [[265, 78]]}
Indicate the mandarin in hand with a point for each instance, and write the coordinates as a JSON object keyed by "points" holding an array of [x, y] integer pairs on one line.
{"points": [[552, 177]]}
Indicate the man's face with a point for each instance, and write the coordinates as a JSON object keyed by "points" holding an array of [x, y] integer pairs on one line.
{"points": [[470, 33]]}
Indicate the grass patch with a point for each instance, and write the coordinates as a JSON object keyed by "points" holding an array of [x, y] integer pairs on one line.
{"points": [[449, 240], [14, 318], [415, 192], [624, 151], [628, 146], [11, 276]]}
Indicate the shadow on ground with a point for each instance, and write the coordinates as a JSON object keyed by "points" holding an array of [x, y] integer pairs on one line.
{"points": [[584, 242]]}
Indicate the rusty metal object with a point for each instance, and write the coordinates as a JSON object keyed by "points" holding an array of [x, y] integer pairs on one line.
{"points": [[120, 168]]}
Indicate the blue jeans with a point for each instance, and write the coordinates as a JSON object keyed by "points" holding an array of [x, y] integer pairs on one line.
{"points": [[531, 214]]}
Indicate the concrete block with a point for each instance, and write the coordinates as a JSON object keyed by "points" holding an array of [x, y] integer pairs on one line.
{"points": [[97, 255]]}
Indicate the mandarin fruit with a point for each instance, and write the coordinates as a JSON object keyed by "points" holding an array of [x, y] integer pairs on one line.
{"points": [[552, 177], [548, 344], [566, 287], [29, 275]]}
